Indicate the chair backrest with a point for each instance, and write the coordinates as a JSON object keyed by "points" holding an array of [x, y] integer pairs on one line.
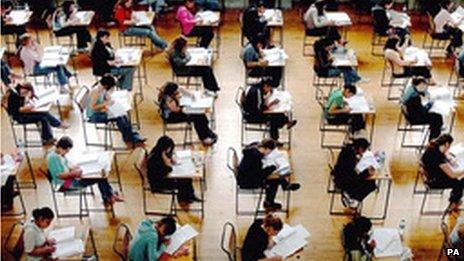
{"points": [[121, 241], [232, 160], [141, 166], [424, 174], [331, 159], [81, 97], [240, 97], [229, 241], [16, 248]]}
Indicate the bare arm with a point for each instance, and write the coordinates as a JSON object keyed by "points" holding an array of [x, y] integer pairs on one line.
{"points": [[450, 172], [334, 110]]}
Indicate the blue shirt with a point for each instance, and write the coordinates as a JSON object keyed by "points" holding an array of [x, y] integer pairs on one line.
{"points": [[250, 54]]}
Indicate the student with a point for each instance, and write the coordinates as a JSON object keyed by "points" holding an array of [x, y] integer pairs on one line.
{"points": [[400, 67], [255, 105], [382, 19], [445, 26], [18, 30], [104, 61], [171, 111], [337, 112], [31, 53], [252, 174], [457, 237], [65, 22], [127, 25], [36, 245], [416, 112], [159, 164], [7, 75], [355, 186], [439, 166], [315, 19], [252, 56], [69, 177], [323, 63], [20, 108], [151, 239], [252, 22], [179, 57], [188, 23], [259, 238], [355, 239], [99, 101]]}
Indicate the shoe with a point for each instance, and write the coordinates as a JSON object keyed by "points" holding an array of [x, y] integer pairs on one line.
{"points": [[117, 198], [293, 186], [208, 141], [195, 199], [454, 206], [272, 205], [49, 142], [291, 124]]}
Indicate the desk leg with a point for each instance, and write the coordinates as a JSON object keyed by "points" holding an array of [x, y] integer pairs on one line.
{"points": [[387, 200], [202, 203], [118, 174], [371, 135], [29, 184]]}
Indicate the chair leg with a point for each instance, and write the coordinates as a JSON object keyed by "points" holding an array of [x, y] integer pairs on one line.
{"points": [[424, 199]]}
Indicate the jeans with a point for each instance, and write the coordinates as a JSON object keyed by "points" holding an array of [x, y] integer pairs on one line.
{"points": [[185, 190], [105, 188], [127, 76], [356, 121], [45, 119], [148, 32], [205, 33], [350, 76], [276, 122], [208, 4], [434, 120], [275, 73], [82, 34], [207, 77], [61, 72], [455, 184], [200, 123], [123, 123]]}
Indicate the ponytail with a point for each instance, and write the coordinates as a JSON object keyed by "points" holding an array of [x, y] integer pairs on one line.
{"points": [[440, 140]]}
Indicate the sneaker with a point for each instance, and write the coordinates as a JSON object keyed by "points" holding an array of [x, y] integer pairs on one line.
{"points": [[208, 141], [195, 199], [272, 205], [293, 186], [117, 198], [49, 142]]}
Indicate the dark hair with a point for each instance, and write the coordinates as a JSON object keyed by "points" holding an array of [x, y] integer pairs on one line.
{"points": [[23, 38], [362, 225], [445, 3], [164, 142], [64, 142], [123, 3], [170, 224], [267, 144], [391, 43], [189, 1], [440, 140], [266, 81], [351, 88], [271, 221], [42, 213], [101, 33], [168, 89], [108, 81], [6, 4], [418, 80], [361, 143], [66, 7], [259, 38], [320, 7], [25, 85], [385, 2], [179, 43]]}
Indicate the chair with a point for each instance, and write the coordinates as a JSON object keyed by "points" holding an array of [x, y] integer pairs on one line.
{"points": [[325, 127], [141, 168], [232, 165], [245, 125], [121, 241], [17, 190], [392, 81], [320, 82], [428, 190], [406, 128], [16, 248], [229, 241], [136, 41], [438, 41], [378, 40], [456, 80], [185, 127]]}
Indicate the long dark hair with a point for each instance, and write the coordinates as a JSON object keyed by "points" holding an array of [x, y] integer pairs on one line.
{"points": [[320, 7], [168, 89], [66, 7], [440, 140], [42, 213], [391, 43], [25, 85], [164, 142]]}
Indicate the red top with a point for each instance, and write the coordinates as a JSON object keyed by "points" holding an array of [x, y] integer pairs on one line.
{"points": [[122, 14]]}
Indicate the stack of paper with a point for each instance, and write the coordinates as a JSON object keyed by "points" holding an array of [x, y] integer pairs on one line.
{"points": [[388, 242], [45, 96], [275, 56], [127, 55], [199, 56], [140, 18], [442, 101], [208, 17], [120, 105], [273, 16], [180, 237], [457, 16], [18, 16], [398, 19], [66, 243], [184, 167], [340, 18], [368, 160], [285, 101], [288, 241], [458, 152], [197, 103], [278, 159], [358, 104], [54, 56], [412, 53], [344, 57], [94, 163]]}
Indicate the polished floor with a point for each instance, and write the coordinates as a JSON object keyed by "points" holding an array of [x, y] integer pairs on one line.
{"points": [[310, 205]]}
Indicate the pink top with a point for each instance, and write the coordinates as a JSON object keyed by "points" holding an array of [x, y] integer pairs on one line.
{"points": [[186, 19], [30, 56]]}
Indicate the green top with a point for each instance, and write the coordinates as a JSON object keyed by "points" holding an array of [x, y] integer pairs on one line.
{"points": [[144, 246], [56, 165], [89, 111], [335, 97]]}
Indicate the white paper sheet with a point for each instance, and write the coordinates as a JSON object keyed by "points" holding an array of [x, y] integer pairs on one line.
{"points": [[398, 19], [388, 242], [46, 96], [442, 101], [140, 18], [340, 18], [120, 106], [288, 241], [93, 163], [199, 56], [208, 17], [180, 237], [18, 16], [68, 248], [7, 167], [368, 159], [358, 104], [412, 53], [277, 158], [285, 101], [63, 234], [184, 167], [275, 56]]}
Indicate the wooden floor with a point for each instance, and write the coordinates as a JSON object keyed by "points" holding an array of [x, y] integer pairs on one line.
{"points": [[310, 205]]}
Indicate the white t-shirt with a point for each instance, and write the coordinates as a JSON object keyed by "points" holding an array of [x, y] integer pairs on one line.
{"points": [[441, 19], [33, 237]]}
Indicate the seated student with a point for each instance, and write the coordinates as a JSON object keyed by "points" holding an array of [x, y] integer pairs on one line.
{"points": [[171, 111], [447, 27], [65, 22], [179, 57], [188, 23], [36, 245], [127, 25], [159, 165], [416, 112], [151, 239], [20, 108], [355, 238], [104, 61], [323, 63], [259, 238], [252, 56], [30, 53], [439, 167], [252, 22], [382, 18], [256, 104], [315, 19], [337, 112], [97, 104], [355, 186], [7, 75], [400, 67], [457, 237], [68, 177], [251, 173], [18, 30]]}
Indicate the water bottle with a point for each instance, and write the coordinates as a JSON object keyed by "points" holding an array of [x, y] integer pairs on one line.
{"points": [[26, 7], [402, 226]]}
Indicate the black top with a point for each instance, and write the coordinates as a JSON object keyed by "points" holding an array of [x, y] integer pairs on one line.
{"points": [[255, 243], [352, 241], [156, 171], [380, 19], [345, 175], [250, 170], [251, 23], [321, 61], [15, 102], [414, 108], [254, 103], [432, 159], [100, 56]]}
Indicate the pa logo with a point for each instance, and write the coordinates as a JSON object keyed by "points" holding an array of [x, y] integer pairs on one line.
{"points": [[452, 252]]}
